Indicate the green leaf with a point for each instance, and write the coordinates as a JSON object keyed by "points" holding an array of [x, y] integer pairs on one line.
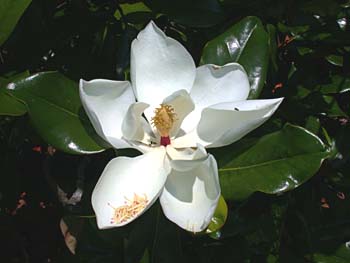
{"points": [[276, 163], [55, 110], [219, 217], [10, 12], [338, 84], [246, 43], [8, 104], [341, 255], [335, 60], [134, 13], [317, 103], [271, 30], [167, 246]]}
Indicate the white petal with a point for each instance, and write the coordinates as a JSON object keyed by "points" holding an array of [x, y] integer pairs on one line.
{"points": [[177, 157], [216, 84], [225, 123], [190, 197], [123, 177], [135, 127], [106, 103], [160, 66]]}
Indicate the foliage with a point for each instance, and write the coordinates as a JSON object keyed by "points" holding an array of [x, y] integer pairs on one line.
{"points": [[285, 184]]}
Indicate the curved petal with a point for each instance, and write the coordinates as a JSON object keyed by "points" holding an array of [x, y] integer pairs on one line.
{"points": [[160, 66], [106, 103], [190, 196], [178, 156], [135, 127], [225, 123], [128, 182], [216, 84]]}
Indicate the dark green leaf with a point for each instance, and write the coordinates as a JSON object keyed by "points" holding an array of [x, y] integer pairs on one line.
{"points": [[335, 60], [338, 84], [166, 243], [135, 13], [55, 110], [195, 13], [276, 163], [8, 104], [341, 255], [271, 30], [10, 12], [246, 43]]}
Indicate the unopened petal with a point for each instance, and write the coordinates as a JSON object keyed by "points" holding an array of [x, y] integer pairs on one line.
{"points": [[160, 65], [106, 103], [128, 187], [190, 196]]}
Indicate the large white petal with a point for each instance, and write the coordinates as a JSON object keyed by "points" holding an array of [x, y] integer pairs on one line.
{"points": [[123, 177], [190, 195], [225, 123], [216, 84], [159, 66], [106, 103]]}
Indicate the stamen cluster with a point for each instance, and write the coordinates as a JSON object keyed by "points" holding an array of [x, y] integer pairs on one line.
{"points": [[164, 119], [130, 209]]}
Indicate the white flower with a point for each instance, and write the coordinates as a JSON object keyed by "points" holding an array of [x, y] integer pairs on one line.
{"points": [[170, 112]]}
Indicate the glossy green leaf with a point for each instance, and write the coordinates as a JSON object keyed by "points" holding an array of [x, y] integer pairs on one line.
{"points": [[9, 105], [55, 110], [275, 163], [219, 218], [335, 60], [10, 12], [246, 43]]}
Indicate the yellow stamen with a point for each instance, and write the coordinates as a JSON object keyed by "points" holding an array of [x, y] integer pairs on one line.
{"points": [[130, 209], [164, 119]]}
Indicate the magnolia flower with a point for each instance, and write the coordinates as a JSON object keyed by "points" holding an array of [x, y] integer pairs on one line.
{"points": [[170, 111]]}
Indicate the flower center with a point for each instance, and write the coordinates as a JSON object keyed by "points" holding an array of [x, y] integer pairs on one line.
{"points": [[163, 120]]}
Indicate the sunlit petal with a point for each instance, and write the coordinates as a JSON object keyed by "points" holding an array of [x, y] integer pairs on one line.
{"points": [[160, 65], [225, 123], [191, 194], [216, 84], [125, 180], [106, 103]]}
